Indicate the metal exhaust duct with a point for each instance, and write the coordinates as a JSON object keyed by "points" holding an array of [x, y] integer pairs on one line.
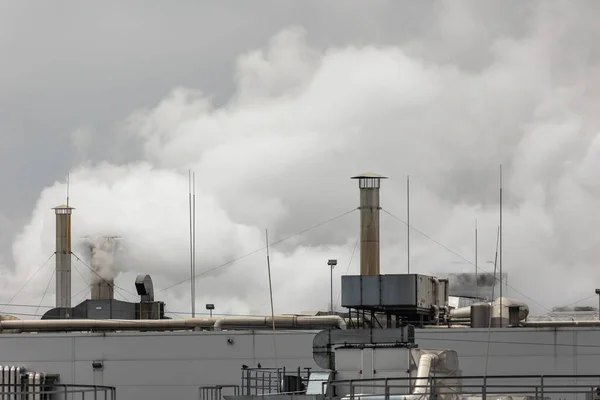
{"points": [[369, 184], [63, 255]]}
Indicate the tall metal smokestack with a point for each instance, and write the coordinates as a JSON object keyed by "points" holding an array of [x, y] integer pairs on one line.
{"points": [[63, 255], [369, 222]]}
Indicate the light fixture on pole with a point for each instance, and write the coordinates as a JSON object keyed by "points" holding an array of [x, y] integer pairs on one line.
{"points": [[332, 264], [210, 308]]}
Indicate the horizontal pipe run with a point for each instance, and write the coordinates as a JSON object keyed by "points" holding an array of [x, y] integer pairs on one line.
{"points": [[60, 325], [559, 324], [281, 322]]}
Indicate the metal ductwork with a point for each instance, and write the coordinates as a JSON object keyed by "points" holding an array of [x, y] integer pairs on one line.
{"points": [[324, 341], [513, 311], [369, 184], [145, 287], [422, 384]]}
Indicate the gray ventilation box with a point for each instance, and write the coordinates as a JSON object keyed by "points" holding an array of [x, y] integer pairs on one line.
{"points": [[389, 292]]}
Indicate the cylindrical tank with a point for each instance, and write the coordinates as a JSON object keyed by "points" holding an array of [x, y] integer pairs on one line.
{"points": [[480, 315]]}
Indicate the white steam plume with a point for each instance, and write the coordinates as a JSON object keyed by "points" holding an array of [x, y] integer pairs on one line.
{"points": [[102, 257], [279, 154]]}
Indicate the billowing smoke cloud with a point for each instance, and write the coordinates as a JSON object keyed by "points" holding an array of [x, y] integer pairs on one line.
{"points": [[446, 109]]}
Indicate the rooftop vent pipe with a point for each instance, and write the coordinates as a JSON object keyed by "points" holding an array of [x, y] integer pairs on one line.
{"points": [[369, 184], [145, 287]]}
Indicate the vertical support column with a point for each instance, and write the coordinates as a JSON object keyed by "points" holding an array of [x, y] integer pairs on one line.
{"points": [[63, 256], [369, 184]]}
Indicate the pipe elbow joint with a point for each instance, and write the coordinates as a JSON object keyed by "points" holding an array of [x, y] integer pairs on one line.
{"points": [[218, 325], [341, 323]]}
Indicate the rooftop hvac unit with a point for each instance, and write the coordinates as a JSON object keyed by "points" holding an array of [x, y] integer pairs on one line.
{"points": [[410, 296]]}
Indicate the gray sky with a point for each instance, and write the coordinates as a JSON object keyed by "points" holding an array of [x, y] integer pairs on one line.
{"points": [[70, 66], [278, 103]]}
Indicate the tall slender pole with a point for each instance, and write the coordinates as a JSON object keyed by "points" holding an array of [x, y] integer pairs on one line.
{"points": [[487, 352], [68, 185], [191, 240], [270, 285], [331, 289], [271, 297], [408, 224], [194, 245], [476, 263], [500, 252]]}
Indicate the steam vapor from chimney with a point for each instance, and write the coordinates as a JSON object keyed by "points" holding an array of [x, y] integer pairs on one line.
{"points": [[102, 255]]}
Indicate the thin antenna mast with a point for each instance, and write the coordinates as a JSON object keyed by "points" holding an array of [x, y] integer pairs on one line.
{"points": [[487, 352], [191, 240], [68, 184], [408, 224], [271, 295], [500, 248], [194, 245], [476, 264]]}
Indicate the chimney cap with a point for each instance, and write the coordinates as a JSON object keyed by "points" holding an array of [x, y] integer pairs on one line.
{"points": [[369, 175], [63, 207]]}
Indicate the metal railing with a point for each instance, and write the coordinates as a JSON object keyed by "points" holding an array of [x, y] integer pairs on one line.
{"points": [[56, 392], [262, 381], [216, 392], [534, 387]]}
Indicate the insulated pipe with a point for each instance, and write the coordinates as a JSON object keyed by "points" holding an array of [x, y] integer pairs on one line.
{"points": [[559, 324], [61, 325], [447, 327], [437, 290], [283, 321], [465, 312], [425, 362], [436, 314], [421, 390], [460, 313]]}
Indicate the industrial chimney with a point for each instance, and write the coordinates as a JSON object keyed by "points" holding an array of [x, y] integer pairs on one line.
{"points": [[63, 255], [103, 251], [103, 290], [369, 222]]}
